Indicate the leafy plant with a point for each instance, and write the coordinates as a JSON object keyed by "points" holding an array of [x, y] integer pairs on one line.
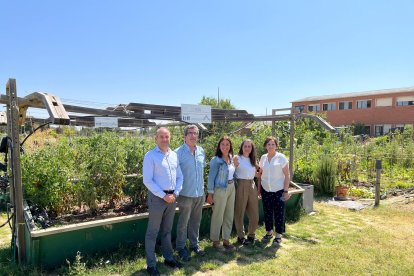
{"points": [[102, 166], [324, 176], [78, 267], [46, 174], [361, 192]]}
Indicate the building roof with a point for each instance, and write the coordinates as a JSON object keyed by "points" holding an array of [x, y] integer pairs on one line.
{"points": [[357, 94]]}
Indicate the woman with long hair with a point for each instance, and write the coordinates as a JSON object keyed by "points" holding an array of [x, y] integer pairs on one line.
{"points": [[246, 192], [221, 194]]}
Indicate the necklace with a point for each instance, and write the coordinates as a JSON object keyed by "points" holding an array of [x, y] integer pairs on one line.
{"points": [[227, 159]]}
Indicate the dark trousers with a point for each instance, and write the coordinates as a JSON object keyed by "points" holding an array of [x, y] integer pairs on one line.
{"points": [[274, 211]]}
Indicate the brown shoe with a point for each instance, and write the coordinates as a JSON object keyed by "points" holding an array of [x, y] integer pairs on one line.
{"points": [[228, 245], [217, 246]]}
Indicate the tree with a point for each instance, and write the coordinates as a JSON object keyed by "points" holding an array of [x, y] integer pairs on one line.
{"points": [[220, 127], [224, 103]]}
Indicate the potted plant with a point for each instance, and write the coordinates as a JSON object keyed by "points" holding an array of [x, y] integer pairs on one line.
{"points": [[343, 176]]}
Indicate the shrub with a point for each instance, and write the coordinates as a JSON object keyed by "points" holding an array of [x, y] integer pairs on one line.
{"points": [[46, 176], [361, 192], [102, 169], [324, 176]]}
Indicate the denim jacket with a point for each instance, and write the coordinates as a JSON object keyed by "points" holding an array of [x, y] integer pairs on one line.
{"points": [[218, 174]]}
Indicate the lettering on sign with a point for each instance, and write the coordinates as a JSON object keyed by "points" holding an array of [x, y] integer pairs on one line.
{"points": [[191, 113]]}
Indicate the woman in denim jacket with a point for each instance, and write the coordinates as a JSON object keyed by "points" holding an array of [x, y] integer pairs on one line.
{"points": [[221, 194]]}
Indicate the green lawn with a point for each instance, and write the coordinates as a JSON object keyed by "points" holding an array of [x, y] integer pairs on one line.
{"points": [[334, 241]]}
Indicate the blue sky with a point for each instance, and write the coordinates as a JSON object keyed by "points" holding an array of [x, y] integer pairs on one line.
{"points": [[261, 54]]}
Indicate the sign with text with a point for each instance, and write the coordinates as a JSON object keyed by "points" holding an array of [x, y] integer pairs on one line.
{"points": [[111, 122], [193, 113]]}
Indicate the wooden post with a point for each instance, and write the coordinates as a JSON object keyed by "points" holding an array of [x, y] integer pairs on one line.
{"points": [[16, 170], [378, 167], [291, 147], [9, 160]]}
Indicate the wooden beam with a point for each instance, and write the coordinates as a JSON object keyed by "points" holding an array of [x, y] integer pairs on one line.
{"points": [[16, 171]]}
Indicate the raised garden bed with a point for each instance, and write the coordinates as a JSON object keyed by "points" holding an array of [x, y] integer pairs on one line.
{"points": [[51, 247]]}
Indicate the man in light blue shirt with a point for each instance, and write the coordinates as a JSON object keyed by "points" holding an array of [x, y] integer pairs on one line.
{"points": [[163, 178], [190, 202]]}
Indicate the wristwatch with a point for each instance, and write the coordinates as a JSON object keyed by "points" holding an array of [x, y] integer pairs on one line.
{"points": [[285, 191]]}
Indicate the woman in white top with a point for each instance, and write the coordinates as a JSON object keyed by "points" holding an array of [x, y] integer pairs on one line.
{"points": [[246, 192], [274, 185]]}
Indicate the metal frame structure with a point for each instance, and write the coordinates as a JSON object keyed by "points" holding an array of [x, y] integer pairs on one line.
{"points": [[132, 114]]}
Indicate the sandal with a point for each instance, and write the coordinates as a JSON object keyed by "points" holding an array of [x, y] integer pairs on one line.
{"points": [[267, 237], [277, 240]]}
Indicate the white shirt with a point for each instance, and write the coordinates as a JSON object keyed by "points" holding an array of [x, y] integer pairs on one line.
{"points": [[272, 174], [245, 170], [231, 171]]}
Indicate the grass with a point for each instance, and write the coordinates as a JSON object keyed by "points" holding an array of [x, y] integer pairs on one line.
{"points": [[334, 241]]}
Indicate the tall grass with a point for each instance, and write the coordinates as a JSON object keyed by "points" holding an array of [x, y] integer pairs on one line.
{"points": [[324, 176]]}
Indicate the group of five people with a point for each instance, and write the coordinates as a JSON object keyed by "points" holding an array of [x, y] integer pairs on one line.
{"points": [[176, 178]]}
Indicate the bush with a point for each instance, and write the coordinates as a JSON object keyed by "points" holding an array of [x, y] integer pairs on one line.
{"points": [[86, 172], [324, 176], [46, 176], [361, 192]]}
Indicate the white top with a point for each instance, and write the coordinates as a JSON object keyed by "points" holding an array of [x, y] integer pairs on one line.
{"points": [[272, 174], [245, 170], [231, 171]]}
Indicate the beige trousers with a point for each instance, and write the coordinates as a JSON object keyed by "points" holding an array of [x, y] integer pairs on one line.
{"points": [[246, 201], [223, 213]]}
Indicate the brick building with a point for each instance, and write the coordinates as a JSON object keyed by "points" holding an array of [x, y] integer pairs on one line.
{"points": [[380, 111]]}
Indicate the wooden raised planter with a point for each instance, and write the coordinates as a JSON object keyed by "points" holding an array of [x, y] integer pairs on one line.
{"points": [[51, 247]]}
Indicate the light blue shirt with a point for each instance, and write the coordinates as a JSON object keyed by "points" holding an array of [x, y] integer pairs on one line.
{"points": [[192, 167], [162, 172]]}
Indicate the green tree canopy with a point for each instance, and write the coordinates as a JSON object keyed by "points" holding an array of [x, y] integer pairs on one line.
{"points": [[221, 128], [213, 102]]}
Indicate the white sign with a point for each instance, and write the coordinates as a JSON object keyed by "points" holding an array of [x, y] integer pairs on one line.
{"points": [[192, 113], [111, 122]]}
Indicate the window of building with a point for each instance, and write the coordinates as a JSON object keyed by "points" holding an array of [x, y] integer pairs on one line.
{"points": [[364, 104], [345, 105], [314, 107], [387, 128], [383, 129], [404, 101], [400, 127], [379, 130], [383, 102], [329, 106], [300, 108]]}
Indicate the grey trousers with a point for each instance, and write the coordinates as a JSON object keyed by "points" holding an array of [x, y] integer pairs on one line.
{"points": [[246, 202], [188, 225], [161, 218]]}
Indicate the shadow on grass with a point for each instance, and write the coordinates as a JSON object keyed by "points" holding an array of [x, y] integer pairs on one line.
{"points": [[302, 239], [8, 265], [242, 255], [124, 254], [212, 260], [260, 251], [129, 257]]}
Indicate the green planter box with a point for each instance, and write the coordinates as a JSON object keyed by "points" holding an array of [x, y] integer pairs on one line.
{"points": [[51, 247]]}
